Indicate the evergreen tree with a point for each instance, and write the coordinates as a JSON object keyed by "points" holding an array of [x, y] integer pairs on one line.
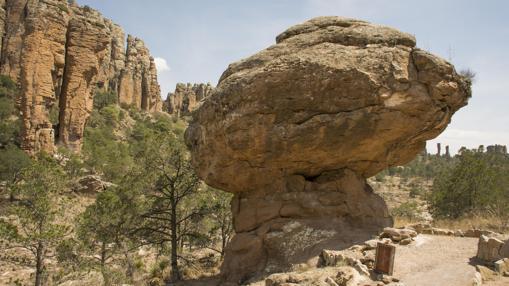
{"points": [[37, 209]]}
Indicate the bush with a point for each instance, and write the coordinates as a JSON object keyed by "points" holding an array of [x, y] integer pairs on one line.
{"points": [[104, 98], [10, 123], [477, 183], [416, 192], [409, 210]]}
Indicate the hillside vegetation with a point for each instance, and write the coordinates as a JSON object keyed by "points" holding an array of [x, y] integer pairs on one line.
{"points": [[130, 209]]}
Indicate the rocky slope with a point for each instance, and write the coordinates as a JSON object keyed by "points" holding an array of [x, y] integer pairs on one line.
{"points": [[294, 131], [186, 98], [60, 53]]}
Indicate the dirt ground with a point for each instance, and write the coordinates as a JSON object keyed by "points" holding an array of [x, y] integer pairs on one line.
{"points": [[439, 261]]}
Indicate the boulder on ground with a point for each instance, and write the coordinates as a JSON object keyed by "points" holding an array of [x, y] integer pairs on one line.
{"points": [[488, 248], [502, 266], [398, 234], [91, 184]]}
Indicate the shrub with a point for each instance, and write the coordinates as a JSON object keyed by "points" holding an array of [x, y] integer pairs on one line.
{"points": [[478, 182], [104, 98], [409, 210], [416, 192]]}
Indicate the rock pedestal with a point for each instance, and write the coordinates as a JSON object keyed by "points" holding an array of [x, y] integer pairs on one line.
{"points": [[294, 130]]}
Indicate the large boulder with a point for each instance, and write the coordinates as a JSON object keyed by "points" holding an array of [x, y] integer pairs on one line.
{"points": [[491, 249], [295, 129]]}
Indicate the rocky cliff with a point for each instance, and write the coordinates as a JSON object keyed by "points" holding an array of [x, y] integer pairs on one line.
{"points": [[60, 54], [294, 131], [186, 98]]}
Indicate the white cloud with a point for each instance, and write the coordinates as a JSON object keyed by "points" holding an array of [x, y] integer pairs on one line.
{"points": [[161, 65]]}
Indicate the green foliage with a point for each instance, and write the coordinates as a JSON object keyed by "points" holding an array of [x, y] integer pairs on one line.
{"points": [[104, 98], [37, 210], [416, 192], [10, 123], [477, 182], [102, 151], [72, 162], [8, 87], [407, 210], [12, 163], [54, 113]]}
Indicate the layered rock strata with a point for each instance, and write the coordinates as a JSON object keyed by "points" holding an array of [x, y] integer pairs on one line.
{"points": [[186, 98], [60, 54], [294, 131], [138, 80]]}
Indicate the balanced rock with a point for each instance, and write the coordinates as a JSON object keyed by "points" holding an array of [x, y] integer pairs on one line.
{"points": [[294, 131]]}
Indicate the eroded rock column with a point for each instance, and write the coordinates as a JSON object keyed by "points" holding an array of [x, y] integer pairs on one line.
{"points": [[86, 49], [42, 67]]}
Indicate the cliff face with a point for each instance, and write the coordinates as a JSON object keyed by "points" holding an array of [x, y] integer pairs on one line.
{"points": [[138, 81], [60, 54], [186, 97]]}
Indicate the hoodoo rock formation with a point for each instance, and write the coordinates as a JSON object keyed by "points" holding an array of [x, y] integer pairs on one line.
{"points": [[186, 98], [294, 131], [60, 53]]}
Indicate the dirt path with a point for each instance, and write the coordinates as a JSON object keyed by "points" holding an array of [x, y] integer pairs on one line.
{"points": [[436, 261]]}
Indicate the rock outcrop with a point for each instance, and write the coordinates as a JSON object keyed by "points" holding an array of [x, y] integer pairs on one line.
{"points": [[186, 98], [294, 131], [60, 54], [491, 249], [138, 85]]}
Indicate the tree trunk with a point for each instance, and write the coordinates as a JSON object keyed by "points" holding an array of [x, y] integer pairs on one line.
{"points": [[103, 264], [130, 267], [174, 241], [39, 263]]}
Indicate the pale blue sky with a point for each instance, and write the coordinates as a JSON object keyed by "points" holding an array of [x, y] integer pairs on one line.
{"points": [[198, 39]]}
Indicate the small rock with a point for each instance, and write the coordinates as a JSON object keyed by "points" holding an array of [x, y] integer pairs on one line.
{"points": [[371, 244], [346, 276], [398, 234], [405, 241], [506, 274], [502, 265], [386, 279], [331, 282], [441, 231], [486, 273], [477, 280], [419, 227]]}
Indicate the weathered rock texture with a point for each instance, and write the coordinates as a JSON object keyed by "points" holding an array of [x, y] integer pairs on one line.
{"points": [[138, 81], [60, 54], [294, 130], [186, 98]]}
